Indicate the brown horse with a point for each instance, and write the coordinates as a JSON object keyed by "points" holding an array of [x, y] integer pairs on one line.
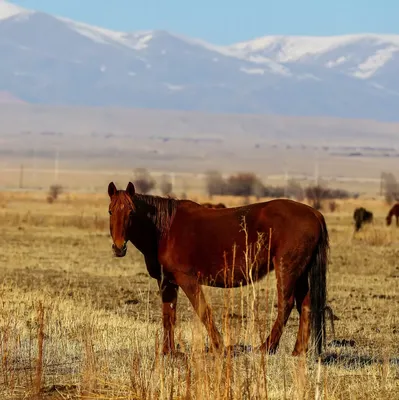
{"points": [[211, 205], [186, 245], [394, 211]]}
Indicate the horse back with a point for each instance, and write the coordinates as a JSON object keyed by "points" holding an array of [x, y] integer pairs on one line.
{"points": [[208, 242]]}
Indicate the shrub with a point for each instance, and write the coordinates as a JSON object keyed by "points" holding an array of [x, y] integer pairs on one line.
{"points": [[332, 205], [54, 191], [315, 194], [245, 184], [390, 187], [215, 183], [295, 190], [143, 181], [337, 194], [273, 191], [165, 185]]}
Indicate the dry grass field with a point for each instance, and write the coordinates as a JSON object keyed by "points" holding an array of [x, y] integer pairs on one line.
{"points": [[75, 322]]}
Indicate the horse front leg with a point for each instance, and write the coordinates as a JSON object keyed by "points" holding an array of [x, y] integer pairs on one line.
{"points": [[168, 293], [193, 291]]}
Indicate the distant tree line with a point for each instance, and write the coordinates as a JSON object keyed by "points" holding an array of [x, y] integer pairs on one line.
{"points": [[145, 183], [248, 184]]}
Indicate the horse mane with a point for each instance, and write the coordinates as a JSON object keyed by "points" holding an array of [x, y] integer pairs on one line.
{"points": [[161, 210]]}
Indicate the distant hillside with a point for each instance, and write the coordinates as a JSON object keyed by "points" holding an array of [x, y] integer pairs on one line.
{"points": [[9, 98], [111, 138], [47, 59]]}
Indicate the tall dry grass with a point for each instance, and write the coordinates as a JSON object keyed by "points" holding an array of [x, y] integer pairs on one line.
{"points": [[75, 323]]}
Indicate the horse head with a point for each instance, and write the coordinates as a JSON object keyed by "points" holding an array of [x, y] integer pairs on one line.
{"points": [[121, 209]]}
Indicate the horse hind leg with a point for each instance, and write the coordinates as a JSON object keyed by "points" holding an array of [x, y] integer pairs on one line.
{"points": [[285, 304], [302, 300]]}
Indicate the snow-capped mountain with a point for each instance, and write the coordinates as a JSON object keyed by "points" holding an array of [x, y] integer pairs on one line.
{"points": [[53, 60]]}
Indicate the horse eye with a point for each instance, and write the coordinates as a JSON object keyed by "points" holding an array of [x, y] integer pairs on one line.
{"points": [[109, 212]]}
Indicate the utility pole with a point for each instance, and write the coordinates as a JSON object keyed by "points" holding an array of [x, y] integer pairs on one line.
{"points": [[34, 165], [285, 171], [316, 168], [173, 181], [56, 163], [21, 176], [286, 176]]}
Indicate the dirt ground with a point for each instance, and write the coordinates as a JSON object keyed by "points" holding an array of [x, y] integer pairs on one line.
{"points": [[100, 324]]}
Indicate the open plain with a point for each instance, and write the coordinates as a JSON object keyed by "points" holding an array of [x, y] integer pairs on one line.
{"points": [[75, 322], [196, 110], [83, 147]]}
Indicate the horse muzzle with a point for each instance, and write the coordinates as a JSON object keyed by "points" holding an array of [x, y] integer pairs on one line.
{"points": [[119, 252]]}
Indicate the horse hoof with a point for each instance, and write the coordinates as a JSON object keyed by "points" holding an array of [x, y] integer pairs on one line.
{"points": [[237, 349], [213, 350], [179, 355], [176, 355], [271, 350]]}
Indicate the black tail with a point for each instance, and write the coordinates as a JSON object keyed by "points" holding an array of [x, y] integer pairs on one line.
{"points": [[318, 289], [332, 318]]}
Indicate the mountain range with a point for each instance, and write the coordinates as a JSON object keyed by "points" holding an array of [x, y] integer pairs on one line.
{"points": [[47, 59]]}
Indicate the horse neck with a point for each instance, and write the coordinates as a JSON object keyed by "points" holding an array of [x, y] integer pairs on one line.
{"points": [[394, 210], [152, 220]]}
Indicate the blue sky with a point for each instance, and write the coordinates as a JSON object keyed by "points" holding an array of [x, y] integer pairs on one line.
{"points": [[229, 21]]}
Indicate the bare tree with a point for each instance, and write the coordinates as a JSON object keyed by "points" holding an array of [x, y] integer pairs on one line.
{"points": [[258, 189], [165, 185], [215, 183], [295, 190], [143, 180], [245, 184], [53, 193], [315, 194], [390, 187]]}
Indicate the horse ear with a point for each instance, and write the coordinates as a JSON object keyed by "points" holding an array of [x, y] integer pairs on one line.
{"points": [[130, 190], [111, 189]]}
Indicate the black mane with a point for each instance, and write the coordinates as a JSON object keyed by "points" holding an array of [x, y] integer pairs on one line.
{"points": [[160, 210]]}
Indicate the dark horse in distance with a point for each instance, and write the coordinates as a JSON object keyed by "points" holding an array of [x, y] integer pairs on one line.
{"points": [[362, 216], [187, 245], [394, 211]]}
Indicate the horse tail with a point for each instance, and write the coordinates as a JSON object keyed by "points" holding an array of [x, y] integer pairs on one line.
{"points": [[332, 317], [318, 288]]}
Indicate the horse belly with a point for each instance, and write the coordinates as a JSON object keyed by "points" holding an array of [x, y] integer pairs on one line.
{"points": [[229, 269], [216, 257]]}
